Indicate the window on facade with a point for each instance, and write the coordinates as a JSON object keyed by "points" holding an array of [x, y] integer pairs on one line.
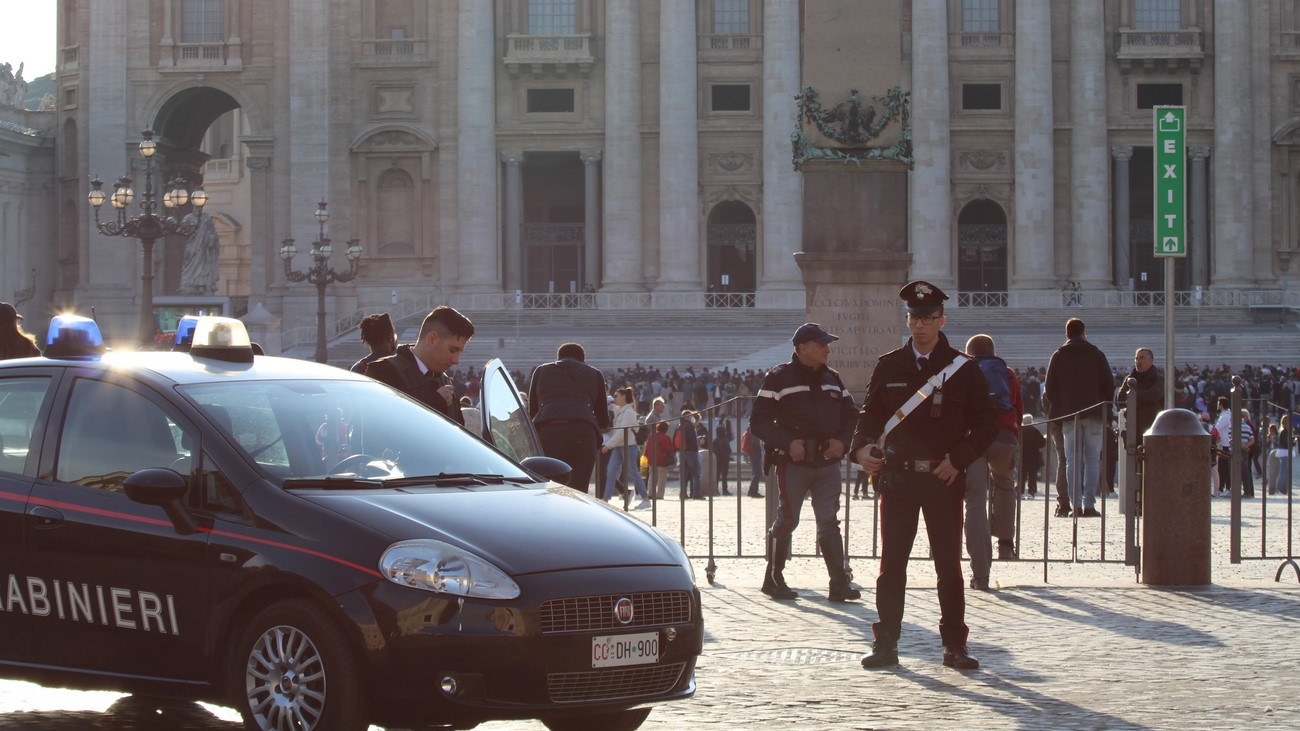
{"points": [[981, 97], [730, 98], [203, 21], [550, 101], [731, 17], [979, 15], [1158, 15], [552, 17], [1159, 95]]}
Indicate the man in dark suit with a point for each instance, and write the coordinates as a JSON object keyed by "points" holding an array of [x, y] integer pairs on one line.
{"points": [[420, 370], [567, 403]]}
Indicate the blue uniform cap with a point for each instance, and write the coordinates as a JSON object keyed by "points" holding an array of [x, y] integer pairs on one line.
{"points": [[812, 331]]}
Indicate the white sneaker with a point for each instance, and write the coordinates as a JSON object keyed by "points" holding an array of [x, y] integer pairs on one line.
{"points": [[643, 505]]}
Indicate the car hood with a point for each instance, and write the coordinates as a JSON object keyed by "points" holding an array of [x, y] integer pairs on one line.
{"points": [[521, 531]]}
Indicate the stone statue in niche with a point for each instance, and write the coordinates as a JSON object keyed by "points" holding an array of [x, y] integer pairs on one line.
{"points": [[199, 271]]}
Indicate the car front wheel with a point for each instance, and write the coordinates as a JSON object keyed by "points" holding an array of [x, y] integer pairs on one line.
{"points": [[614, 721], [293, 670]]}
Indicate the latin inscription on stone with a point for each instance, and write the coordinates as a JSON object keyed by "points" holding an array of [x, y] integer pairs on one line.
{"points": [[868, 320]]}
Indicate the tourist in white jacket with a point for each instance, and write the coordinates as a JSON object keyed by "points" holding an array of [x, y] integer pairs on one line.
{"points": [[620, 444]]}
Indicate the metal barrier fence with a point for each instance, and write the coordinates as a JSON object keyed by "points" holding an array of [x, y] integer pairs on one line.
{"points": [[734, 525]]}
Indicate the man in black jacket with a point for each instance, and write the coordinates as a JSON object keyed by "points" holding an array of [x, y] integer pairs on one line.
{"points": [[1078, 388], [925, 418], [804, 416], [567, 403], [420, 370]]}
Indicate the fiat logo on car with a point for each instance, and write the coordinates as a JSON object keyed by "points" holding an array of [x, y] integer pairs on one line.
{"points": [[623, 610]]}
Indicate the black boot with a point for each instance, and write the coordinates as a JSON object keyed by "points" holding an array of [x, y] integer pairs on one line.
{"points": [[956, 657], [833, 552], [884, 653], [773, 582]]}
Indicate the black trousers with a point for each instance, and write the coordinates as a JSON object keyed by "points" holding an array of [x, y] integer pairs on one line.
{"points": [[899, 512], [574, 443]]}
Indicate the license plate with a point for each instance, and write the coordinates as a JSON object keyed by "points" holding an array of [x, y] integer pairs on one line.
{"points": [[609, 651]]}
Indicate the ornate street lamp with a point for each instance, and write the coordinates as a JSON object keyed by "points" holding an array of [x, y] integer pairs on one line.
{"points": [[320, 273], [147, 226]]}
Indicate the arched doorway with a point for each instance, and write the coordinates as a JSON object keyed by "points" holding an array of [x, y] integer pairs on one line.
{"points": [[732, 246], [982, 255]]}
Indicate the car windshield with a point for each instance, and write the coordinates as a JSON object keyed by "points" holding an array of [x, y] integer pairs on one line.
{"points": [[295, 429]]}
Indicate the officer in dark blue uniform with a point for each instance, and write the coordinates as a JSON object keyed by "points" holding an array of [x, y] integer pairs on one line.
{"points": [[804, 416], [920, 460]]}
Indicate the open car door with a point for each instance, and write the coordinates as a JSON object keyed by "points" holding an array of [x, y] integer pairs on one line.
{"points": [[505, 419]]}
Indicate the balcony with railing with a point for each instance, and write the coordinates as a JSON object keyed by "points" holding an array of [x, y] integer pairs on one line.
{"points": [[1160, 50], [730, 47], [540, 54], [394, 51], [222, 170], [214, 56]]}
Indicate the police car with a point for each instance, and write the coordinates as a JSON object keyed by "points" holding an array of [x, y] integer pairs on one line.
{"points": [[317, 550]]}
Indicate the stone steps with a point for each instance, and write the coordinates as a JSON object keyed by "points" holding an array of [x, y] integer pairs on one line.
{"points": [[759, 339]]}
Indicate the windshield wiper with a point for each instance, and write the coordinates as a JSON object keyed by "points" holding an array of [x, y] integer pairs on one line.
{"points": [[332, 483], [442, 479], [452, 479]]}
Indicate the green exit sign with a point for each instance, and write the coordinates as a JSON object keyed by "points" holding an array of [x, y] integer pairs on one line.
{"points": [[1171, 187]]}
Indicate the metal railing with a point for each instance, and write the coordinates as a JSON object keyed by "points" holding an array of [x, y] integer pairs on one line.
{"points": [[733, 525]]}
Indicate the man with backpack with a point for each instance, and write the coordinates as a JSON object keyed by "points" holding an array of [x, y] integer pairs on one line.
{"points": [[997, 466]]}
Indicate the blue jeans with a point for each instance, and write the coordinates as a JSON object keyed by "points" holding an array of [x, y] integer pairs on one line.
{"points": [[1086, 450], [692, 474], [618, 456]]}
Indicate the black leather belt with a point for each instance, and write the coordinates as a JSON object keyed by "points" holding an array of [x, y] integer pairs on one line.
{"points": [[916, 465]]}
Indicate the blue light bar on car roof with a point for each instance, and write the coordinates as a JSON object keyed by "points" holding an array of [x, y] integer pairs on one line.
{"points": [[185, 333], [221, 338], [73, 336]]}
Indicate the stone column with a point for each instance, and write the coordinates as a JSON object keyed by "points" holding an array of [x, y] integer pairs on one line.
{"points": [[110, 266], [265, 267], [476, 151], [930, 228], [622, 263], [1123, 257], [1034, 243], [309, 118], [591, 219], [1089, 168], [513, 265], [679, 166], [1234, 232], [1197, 205], [782, 214]]}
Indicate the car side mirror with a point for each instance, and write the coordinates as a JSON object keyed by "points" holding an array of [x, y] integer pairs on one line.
{"points": [[547, 468], [166, 489]]}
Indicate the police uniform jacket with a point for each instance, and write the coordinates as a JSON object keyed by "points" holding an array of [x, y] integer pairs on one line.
{"points": [[568, 390], [797, 402], [964, 426], [400, 371]]}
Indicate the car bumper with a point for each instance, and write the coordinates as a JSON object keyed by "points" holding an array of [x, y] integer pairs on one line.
{"points": [[434, 659]]}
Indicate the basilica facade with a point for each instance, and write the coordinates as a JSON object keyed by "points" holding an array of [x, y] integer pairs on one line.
{"points": [[623, 154]]}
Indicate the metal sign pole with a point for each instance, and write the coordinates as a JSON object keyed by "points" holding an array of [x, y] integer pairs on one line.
{"points": [[1170, 136]]}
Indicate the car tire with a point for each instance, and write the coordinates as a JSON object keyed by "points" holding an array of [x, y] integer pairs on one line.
{"points": [[293, 670], [613, 721]]}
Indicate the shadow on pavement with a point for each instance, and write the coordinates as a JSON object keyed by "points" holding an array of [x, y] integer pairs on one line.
{"points": [[130, 713]]}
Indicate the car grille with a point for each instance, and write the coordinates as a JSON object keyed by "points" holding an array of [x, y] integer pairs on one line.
{"points": [[613, 684], [587, 613]]}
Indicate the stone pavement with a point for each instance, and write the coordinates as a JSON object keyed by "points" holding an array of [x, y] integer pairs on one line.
{"points": [[1100, 653], [1090, 648]]}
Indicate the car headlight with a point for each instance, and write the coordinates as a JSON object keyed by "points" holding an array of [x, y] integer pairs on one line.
{"points": [[445, 569]]}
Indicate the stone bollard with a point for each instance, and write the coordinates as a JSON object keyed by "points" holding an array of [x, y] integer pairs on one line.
{"points": [[1176, 501]]}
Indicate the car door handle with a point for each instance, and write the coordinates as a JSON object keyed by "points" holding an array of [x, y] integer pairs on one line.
{"points": [[46, 517]]}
